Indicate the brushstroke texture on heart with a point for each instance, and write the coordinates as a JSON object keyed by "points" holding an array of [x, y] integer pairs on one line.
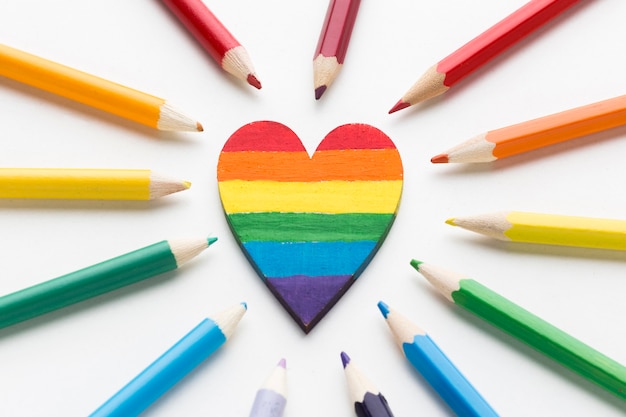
{"points": [[309, 225]]}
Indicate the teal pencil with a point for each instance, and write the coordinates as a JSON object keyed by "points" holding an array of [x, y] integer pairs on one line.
{"points": [[98, 279]]}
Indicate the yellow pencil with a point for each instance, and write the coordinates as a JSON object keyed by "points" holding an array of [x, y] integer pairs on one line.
{"points": [[86, 184], [93, 91], [548, 229]]}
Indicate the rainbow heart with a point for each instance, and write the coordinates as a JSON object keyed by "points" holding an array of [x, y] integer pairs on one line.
{"points": [[309, 225]]}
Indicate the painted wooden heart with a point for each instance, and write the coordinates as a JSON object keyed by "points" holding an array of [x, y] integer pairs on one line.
{"points": [[309, 225]]}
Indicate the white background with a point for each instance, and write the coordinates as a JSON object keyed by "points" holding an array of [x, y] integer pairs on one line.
{"points": [[69, 362]]}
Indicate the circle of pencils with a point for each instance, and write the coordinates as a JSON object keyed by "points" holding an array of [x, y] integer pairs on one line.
{"points": [[215, 39], [173, 365], [98, 279], [435, 367], [538, 133], [93, 91], [526, 327], [486, 46]]}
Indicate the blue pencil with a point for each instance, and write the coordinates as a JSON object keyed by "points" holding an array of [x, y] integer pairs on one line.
{"points": [[173, 365], [435, 366], [271, 398]]}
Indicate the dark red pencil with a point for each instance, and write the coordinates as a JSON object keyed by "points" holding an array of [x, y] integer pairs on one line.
{"points": [[333, 43], [456, 66], [215, 38]]}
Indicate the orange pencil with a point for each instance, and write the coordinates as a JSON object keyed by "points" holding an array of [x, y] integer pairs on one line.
{"points": [[93, 91], [537, 133]]}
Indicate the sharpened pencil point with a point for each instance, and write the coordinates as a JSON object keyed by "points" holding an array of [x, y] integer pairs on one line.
{"points": [[245, 305], [384, 308], [186, 184], [440, 159], [282, 363], [451, 222], [319, 91], [211, 240], [254, 81], [399, 106], [416, 264], [199, 127], [345, 359]]}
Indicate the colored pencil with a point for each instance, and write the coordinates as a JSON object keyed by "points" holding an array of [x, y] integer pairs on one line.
{"points": [[528, 328], [333, 43], [173, 365], [477, 52], [538, 133], [368, 401], [86, 184], [430, 361], [271, 398], [548, 229], [93, 91], [98, 279], [215, 38]]}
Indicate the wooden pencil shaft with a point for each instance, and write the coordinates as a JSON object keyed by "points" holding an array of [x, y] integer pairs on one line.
{"points": [[558, 127], [86, 283], [100, 184], [80, 86], [542, 336]]}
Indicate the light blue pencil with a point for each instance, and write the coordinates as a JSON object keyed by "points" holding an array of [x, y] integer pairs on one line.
{"points": [[435, 367], [173, 365]]}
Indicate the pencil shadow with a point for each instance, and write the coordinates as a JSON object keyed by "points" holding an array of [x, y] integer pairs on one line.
{"points": [[524, 350], [85, 205], [84, 111], [549, 250]]}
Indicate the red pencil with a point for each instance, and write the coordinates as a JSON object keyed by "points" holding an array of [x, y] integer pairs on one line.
{"points": [[456, 66], [333, 43], [215, 38]]}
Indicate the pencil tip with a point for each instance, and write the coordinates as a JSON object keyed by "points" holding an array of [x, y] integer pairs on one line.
{"points": [[384, 308], [399, 106], [254, 81], [319, 91], [440, 159], [199, 127], [345, 359], [416, 264], [245, 305], [451, 222], [186, 184], [211, 240], [282, 363]]}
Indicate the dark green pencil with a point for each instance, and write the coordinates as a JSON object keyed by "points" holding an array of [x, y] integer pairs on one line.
{"points": [[98, 279]]}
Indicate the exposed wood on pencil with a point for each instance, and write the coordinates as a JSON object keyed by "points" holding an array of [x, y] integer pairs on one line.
{"points": [[477, 52], [333, 43], [93, 91], [215, 39], [527, 328], [367, 399], [540, 132], [548, 229], [86, 184]]}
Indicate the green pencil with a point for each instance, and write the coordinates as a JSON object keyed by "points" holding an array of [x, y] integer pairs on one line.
{"points": [[98, 279], [527, 327]]}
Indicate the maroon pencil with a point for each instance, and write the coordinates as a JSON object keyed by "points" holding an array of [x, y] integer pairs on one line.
{"points": [[333, 43], [215, 38]]}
